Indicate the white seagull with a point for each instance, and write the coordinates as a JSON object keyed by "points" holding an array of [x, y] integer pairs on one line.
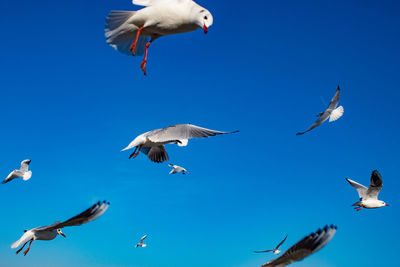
{"points": [[141, 244], [305, 247], [276, 250], [332, 113], [22, 172], [152, 143], [50, 232], [369, 196], [177, 169], [132, 32]]}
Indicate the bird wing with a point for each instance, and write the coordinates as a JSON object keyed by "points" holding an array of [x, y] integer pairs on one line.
{"points": [[335, 100], [318, 122], [28, 235], [88, 215], [143, 238], [336, 114], [280, 244], [14, 174], [305, 247], [261, 251], [154, 2], [181, 132], [362, 190], [375, 185], [25, 165], [156, 153]]}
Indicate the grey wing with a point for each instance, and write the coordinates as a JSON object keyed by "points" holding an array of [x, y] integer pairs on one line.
{"points": [[305, 247], [262, 251], [362, 190], [156, 153], [25, 165], [88, 215], [181, 132], [14, 174], [335, 100], [318, 122], [143, 238], [375, 185], [280, 244]]}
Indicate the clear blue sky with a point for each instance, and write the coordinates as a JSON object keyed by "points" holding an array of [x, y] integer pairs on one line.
{"points": [[71, 103]]}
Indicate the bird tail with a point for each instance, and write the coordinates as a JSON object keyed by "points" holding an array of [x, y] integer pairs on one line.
{"points": [[122, 39], [27, 175]]}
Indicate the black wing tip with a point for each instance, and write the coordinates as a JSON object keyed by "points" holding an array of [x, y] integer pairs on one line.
{"points": [[338, 87], [301, 133], [237, 131], [375, 172]]}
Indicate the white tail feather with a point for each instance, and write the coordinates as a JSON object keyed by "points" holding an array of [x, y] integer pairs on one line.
{"points": [[27, 175], [336, 114]]}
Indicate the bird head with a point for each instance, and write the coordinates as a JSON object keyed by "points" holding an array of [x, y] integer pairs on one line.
{"points": [[383, 204], [204, 19], [276, 252], [60, 232]]}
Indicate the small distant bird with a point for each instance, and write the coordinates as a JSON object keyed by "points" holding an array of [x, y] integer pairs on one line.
{"points": [[177, 169], [132, 32], [332, 113], [21, 173], [50, 232], [152, 143], [141, 244], [276, 250], [305, 247], [369, 196]]}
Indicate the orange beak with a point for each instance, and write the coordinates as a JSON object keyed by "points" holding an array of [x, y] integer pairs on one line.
{"points": [[205, 29], [386, 205], [62, 234]]}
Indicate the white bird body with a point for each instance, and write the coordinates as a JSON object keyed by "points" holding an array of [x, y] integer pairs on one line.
{"points": [[152, 143], [177, 169], [21, 173], [131, 32], [276, 251], [50, 232], [369, 196]]}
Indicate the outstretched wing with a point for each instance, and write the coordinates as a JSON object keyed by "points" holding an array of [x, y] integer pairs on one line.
{"points": [[181, 132], [154, 2], [262, 251], [143, 238], [14, 174], [359, 187], [375, 185], [335, 100], [280, 244], [317, 123], [305, 247], [88, 215], [25, 165]]}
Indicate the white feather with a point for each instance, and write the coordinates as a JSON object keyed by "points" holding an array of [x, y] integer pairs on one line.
{"points": [[27, 175], [28, 235], [183, 142], [336, 114]]}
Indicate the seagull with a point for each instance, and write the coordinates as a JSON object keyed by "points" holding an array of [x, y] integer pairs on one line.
{"points": [[50, 232], [141, 244], [132, 32], [152, 143], [276, 250], [177, 169], [22, 172], [305, 247], [332, 113], [369, 196]]}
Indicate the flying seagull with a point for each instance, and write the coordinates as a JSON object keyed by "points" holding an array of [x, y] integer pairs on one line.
{"points": [[152, 143], [369, 196], [50, 232], [276, 250], [22, 172], [141, 244], [305, 247], [177, 169], [132, 32], [332, 113]]}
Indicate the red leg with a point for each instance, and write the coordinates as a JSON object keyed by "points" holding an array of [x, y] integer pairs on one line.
{"points": [[136, 154], [26, 251], [143, 64], [19, 250], [134, 44]]}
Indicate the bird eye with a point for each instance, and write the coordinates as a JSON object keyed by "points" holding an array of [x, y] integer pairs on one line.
{"points": [[205, 17]]}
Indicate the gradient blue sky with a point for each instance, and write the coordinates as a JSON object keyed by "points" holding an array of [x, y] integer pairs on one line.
{"points": [[70, 103]]}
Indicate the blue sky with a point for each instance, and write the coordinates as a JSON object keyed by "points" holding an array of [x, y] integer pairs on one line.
{"points": [[71, 103]]}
